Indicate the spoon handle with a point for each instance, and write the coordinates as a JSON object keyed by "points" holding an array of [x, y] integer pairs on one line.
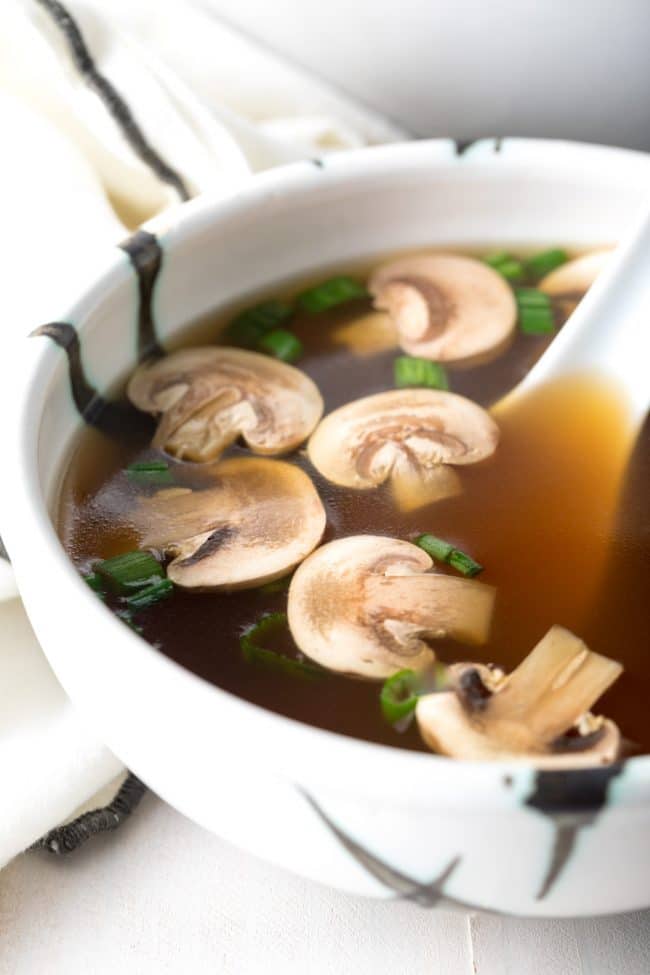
{"points": [[609, 332]]}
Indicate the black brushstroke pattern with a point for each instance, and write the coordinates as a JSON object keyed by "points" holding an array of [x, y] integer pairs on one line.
{"points": [[145, 254], [463, 145], [3, 552], [573, 799], [65, 839], [111, 98], [116, 419], [405, 887]]}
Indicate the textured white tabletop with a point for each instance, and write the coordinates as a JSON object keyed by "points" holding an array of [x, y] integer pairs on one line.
{"points": [[163, 897]]}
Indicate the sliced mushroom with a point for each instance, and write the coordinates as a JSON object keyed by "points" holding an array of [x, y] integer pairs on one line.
{"points": [[575, 277], [445, 306], [259, 519], [405, 436], [540, 712], [367, 334], [209, 396], [364, 604]]}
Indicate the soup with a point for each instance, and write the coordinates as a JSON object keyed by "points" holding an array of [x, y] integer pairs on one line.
{"points": [[381, 563]]}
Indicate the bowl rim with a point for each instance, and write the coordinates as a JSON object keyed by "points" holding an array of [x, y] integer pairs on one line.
{"points": [[23, 494]]}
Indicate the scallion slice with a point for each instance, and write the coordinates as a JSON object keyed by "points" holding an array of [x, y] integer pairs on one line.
{"points": [[253, 651], [546, 261], [437, 548], [132, 570], [149, 595], [411, 371], [249, 326], [536, 321], [531, 298], [399, 694], [330, 293], [511, 270], [282, 344], [150, 472], [499, 257], [535, 312], [506, 265], [95, 582]]}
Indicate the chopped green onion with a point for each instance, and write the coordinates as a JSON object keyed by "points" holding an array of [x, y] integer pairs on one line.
{"points": [[130, 571], [464, 563], [499, 257], [546, 261], [254, 652], [150, 472], [399, 694], [410, 371], [281, 344], [531, 298], [535, 311], [249, 326], [149, 595], [536, 321], [330, 293], [511, 270], [506, 265], [95, 582], [437, 548]]}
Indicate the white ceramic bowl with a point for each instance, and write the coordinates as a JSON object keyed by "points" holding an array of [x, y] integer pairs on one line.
{"points": [[363, 817]]}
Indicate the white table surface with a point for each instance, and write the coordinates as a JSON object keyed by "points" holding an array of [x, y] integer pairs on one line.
{"points": [[163, 897]]}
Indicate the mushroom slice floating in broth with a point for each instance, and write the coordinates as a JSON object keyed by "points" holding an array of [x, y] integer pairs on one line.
{"points": [[260, 518], [405, 436], [540, 712], [209, 396], [365, 604], [446, 307], [575, 277]]}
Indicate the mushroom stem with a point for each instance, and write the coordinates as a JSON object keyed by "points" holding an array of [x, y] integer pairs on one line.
{"points": [[528, 714], [555, 685], [362, 605], [432, 605]]}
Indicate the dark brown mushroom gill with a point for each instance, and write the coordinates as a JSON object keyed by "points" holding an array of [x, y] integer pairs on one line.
{"points": [[207, 397], [256, 523], [539, 713]]}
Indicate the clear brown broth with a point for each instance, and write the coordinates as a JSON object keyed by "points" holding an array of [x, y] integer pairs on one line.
{"points": [[556, 516]]}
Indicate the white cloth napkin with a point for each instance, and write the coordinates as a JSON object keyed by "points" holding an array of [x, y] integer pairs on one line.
{"points": [[216, 108]]}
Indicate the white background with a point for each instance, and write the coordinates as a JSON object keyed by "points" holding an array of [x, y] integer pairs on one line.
{"points": [[575, 69], [162, 896]]}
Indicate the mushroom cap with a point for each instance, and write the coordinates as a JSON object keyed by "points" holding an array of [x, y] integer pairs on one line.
{"points": [[210, 395], [577, 276], [445, 306], [538, 714], [403, 435], [258, 521], [362, 605]]}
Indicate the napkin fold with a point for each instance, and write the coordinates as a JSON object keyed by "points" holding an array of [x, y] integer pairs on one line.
{"points": [[111, 113]]}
